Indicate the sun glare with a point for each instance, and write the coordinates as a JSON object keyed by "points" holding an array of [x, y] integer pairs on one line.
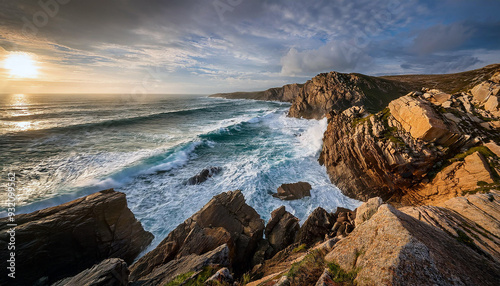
{"points": [[21, 65]]}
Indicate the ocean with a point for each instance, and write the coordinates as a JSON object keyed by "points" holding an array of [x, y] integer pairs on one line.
{"points": [[62, 147]]}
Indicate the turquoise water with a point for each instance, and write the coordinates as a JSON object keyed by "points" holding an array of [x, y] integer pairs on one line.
{"points": [[66, 146]]}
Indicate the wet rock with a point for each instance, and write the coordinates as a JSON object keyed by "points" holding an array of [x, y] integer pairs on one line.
{"points": [[226, 219], [204, 175], [62, 241], [392, 248], [110, 272], [282, 229], [293, 191]]}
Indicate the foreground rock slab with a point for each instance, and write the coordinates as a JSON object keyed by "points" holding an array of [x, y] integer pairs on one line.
{"points": [[226, 219], [392, 248], [62, 241], [111, 271]]}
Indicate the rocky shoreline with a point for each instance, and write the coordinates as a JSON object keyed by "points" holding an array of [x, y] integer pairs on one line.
{"points": [[423, 152]]}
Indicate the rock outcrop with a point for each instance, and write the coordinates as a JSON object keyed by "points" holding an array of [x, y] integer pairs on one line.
{"points": [[226, 219], [112, 271], [204, 175], [286, 93], [392, 248], [281, 229], [337, 91], [293, 191], [61, 241]]}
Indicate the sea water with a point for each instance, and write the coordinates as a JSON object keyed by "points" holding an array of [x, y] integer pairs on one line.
{"points": [[62, 147]]}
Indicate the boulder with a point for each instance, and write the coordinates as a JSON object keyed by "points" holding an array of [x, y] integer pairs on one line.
{"points": [[437, 97], [62, 241], [317, 225], [223, 275], [484, 90], [282, 229], [393, 248], [204, 175], [192, 263], [110, 272], [367, 210], [492, 103], [344, 222], [293, 191], [418, 118], [325, 279], [226, 219]]}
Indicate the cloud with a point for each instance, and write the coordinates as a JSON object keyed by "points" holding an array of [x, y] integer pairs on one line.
{"points": [[440, 38]]}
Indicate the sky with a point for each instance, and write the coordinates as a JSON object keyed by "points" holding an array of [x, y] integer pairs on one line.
{"points": [[209, 46]]}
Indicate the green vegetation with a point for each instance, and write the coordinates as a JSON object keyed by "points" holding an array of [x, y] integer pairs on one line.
{"points": [[390, 131], [340, 276], [299, 248], [361, 120], [308, 270], [187, 279]]}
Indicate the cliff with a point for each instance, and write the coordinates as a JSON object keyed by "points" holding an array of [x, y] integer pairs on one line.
{"points": [[286, 93]]}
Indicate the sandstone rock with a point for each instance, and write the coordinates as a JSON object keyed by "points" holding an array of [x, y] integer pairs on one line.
{"points": [[473, 220], [367, 210], [392, 248], [492, 103], [421, 121], [494, 148], [484, 90], [459, 177], [223, 275], [112, 271], [204, 175], [293, 191], [282, 229], [496, 77], [437, 97], [325, 279], [338, 91], [226, 219], [62, 241], [318, 224], [165, 273]]}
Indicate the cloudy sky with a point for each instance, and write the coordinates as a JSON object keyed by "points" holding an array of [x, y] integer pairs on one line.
{"points": [[187, 46]]}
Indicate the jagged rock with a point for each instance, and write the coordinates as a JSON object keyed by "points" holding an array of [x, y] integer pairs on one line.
{"points": [[455, 179], [492, 103], [344, 222], [293, 191], [282, 229], [474, 220], [494, 148], [437, 97], [223, 275], [325, 279], [419, 119], [337, 91], [204, 175], [226, 219], [392, 248], [496, 77], [62, 241], [367, 210], [317, 225], [110, 272], [165, 273], [285, 93], [484, 90]]}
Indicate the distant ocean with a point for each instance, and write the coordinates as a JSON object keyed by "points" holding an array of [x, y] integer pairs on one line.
{"points": [[66, 146]]}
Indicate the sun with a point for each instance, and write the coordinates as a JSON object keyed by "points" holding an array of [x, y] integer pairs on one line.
{"points": [[21, 65]]}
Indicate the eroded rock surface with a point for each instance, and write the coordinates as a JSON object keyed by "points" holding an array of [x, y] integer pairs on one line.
{"points": [[293, 191], [61, 241], [281, 229], [226, 219], [110, 272]]}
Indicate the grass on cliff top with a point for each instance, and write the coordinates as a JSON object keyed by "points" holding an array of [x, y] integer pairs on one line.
{"points": [[340, 276], [308, 270]]}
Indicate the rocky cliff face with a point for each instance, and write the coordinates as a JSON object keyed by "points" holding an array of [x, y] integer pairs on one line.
{"points": [[61, 241], [337, 91], [425, 146], [286, 93]]}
